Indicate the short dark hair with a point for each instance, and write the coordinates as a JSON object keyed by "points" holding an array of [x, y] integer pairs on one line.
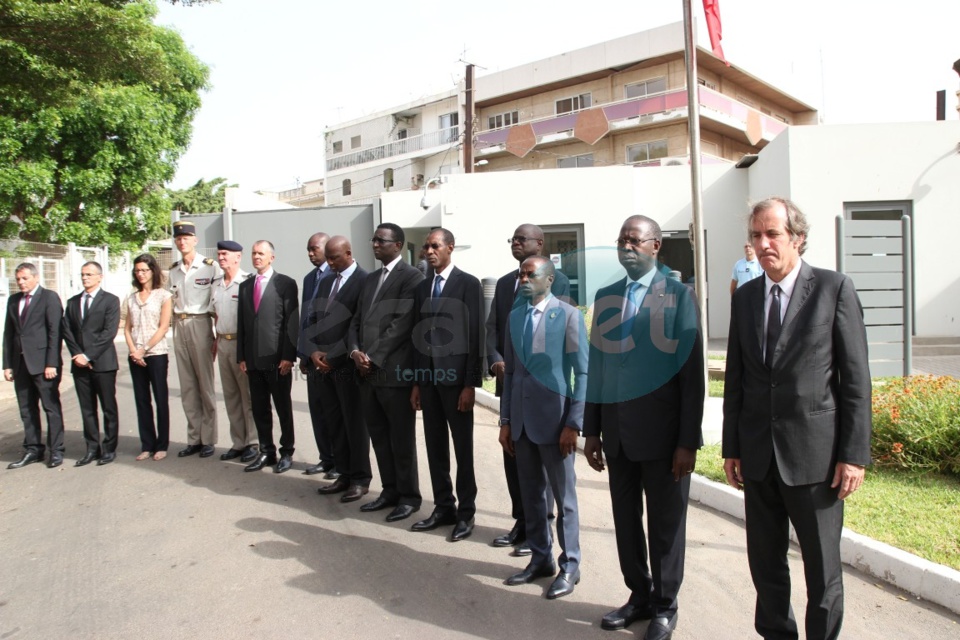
{"points": [[546, 265], [395, 230], [94, 264], [445, 233], [27, 266], [150, 261], [797, 224]]}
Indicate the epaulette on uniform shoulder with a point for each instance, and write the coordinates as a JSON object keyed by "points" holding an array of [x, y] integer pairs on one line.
{"points": [[208, 261], [175, 265]]}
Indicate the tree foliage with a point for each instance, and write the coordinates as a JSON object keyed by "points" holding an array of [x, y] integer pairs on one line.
{"points": [[201, 197], [96, 105]]}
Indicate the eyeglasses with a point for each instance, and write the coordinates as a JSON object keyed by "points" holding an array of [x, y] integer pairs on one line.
{"points": [[147, 270], [435, 246], [519, 239], [633, 242], [379, 240]]}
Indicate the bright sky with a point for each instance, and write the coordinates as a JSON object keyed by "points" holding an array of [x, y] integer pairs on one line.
{"points": [[283, 70]]}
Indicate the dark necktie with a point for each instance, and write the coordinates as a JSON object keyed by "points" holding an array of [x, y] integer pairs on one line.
{"points": [[435, 298], [773, 326], [86, 306], [333, 294], [316, 282], [528, 335], [383, 278], [26, 305]]}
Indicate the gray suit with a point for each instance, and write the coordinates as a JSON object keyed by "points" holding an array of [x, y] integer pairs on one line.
{"points": [[540, 400], [789, 425]]}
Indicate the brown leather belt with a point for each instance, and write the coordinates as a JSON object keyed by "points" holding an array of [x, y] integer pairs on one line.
{"points": [[185, 316]]}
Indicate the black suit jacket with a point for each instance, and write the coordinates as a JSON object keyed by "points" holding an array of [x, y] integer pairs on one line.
{"points": [[267, 336], [648, 399], [813, 408], [333, 319], [308, 311], [94, 335], [504, 299], [381, 328], [38, 340], [447, 339]]}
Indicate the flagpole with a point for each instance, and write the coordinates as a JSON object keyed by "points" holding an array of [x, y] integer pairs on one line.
{"points": [[696, 184]]}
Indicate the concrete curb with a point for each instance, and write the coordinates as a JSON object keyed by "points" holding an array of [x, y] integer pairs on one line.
{"points": [[932, 582]]}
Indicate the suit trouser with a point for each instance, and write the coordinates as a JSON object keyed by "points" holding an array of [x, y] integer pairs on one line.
{"points": [[321, 432], [34, 391], [439, 404], [538, 465], [193, 344], [264, 385], [392, 424], [653, 579], [92, 387], [340, 397], [236, 396], [817, 517], [154, 436]]}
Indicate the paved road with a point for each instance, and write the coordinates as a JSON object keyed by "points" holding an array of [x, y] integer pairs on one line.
{"points": [[191, 548]]}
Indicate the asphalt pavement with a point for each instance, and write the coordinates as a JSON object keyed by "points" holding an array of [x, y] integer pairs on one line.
{"points": [[196, 548]]}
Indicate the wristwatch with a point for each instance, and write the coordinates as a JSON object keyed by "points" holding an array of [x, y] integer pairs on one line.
{"points": [[504, 422]]}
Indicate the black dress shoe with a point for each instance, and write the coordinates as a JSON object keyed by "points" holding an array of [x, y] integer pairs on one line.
{"points": [[661, 628], [341, 485], [284, 464], [563, 585], [189, 450], [331, 474], [515, 536], [462, 531], [249, 454], [262, 460], [106, 458], [314, 469], [207, 450], [231, 454], [376, 505], [28, 458], [531, 573], [625, 616], [522, 550], [354, 493], [436, 519], [401, 512], [89, 457], [56, 459]]}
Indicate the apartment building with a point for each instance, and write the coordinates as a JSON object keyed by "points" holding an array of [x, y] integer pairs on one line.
{"points": [[621, 102]]}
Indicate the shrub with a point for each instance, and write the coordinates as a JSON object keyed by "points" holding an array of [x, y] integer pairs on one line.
{"points": [[916, 423]]}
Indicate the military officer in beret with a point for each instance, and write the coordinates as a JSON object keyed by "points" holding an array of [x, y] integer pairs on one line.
{"points": [[191, 283], [236, 389]]}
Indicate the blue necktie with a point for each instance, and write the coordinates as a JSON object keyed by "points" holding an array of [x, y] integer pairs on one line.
{"points": [[528, 334], [316, 282], [630, 313], [435, 299]]}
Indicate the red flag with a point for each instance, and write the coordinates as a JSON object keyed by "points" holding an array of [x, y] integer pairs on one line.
{"points": [[711, 8]]}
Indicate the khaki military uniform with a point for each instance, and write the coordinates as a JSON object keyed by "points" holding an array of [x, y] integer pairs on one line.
{"points": [[236, 387], [192, 290]]}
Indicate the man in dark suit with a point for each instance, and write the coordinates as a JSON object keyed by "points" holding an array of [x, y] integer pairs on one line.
{"points": [[90, 326], [796, 418], [527, 241], [448, 366], [32, 361], [266, 350], [541, 416], [339, 393], [309, 312], [644, 409], [381, 350]]}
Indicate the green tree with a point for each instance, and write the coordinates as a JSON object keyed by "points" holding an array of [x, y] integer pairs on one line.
{"points": [[96, 106], [201, 197]]}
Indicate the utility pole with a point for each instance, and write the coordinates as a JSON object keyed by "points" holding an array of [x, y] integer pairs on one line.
{"points": [[468, 125]]}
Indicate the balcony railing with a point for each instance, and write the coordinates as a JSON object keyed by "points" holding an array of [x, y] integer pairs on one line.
{"points": [[412, 144], [714, 105]]}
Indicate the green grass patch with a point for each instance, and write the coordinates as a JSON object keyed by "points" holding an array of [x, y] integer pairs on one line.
{"points": [[715, 387], [911, 510]]}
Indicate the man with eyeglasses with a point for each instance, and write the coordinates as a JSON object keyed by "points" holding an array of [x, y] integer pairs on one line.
{"points": [[309, 311], [448, 366], [90, 325], [526, 242], [381, 349], [644, 408]]}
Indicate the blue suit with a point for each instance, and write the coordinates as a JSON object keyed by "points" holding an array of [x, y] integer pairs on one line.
{"points": [[540, 400]]}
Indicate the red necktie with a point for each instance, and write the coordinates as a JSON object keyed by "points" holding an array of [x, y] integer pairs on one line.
{"points": [[26, 305]]}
